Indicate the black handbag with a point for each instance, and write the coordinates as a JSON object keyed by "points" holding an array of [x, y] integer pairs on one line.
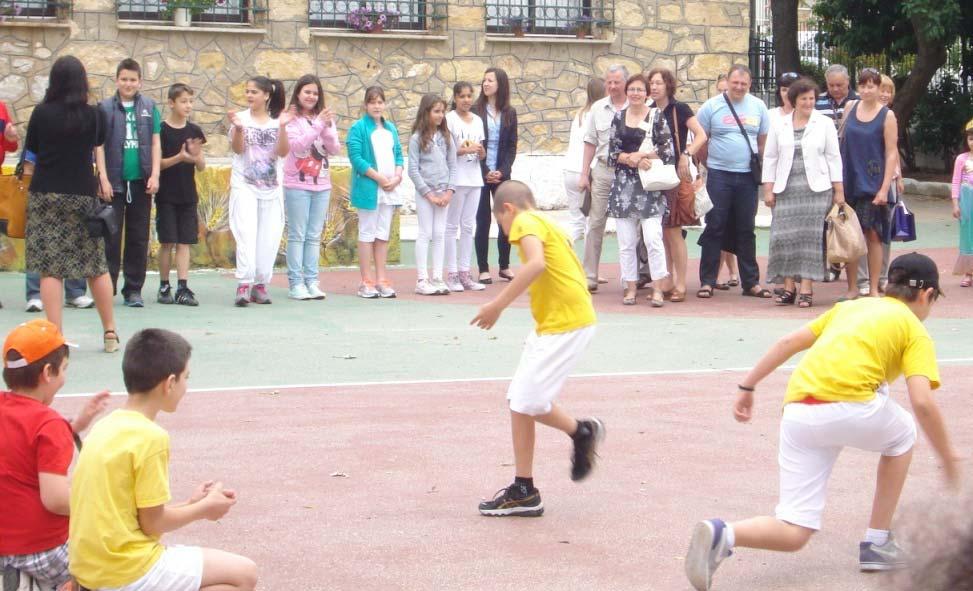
{"points": [[101, 221], [756, 166]]}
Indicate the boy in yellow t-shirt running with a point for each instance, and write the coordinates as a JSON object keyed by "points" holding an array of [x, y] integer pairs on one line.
{"points": [[561, 307], [120, 496], [838, 397]]}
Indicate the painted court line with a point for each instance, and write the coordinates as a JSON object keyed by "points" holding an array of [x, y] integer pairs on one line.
{"points": [[620, 374]]}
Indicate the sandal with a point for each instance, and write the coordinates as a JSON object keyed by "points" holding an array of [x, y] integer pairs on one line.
{"points": [[723, 286], [759, 293], [111, 341], [657, 298], [786, 298], [678, 296], [485, 278], [704, 292], [628, 301], [733, 282], [805, 300], [967, 281], [506, 275]]}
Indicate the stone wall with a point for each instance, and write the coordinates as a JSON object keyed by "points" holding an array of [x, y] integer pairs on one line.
{"points": [[697, 39]]}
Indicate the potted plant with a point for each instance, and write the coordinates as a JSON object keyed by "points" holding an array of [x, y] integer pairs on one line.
{"points": [[367, 19], [182, 11], [516, 24], [9, 8], [581, 26]]}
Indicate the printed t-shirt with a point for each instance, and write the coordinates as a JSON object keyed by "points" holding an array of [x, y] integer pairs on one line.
{"points": [[727, 147], [468, 172], [177, 184], [123, 467], [33, 438], [559, 298], [257, 169], [131, 167], [860, 346]]}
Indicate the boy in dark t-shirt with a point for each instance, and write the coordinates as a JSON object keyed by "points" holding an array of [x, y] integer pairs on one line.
{"points": [[177, 222]]}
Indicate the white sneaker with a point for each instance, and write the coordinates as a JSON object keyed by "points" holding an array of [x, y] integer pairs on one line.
{"points": [[81, 301], [35, 305], [468, 284], [426, 287], [298, 292], [441, 287], [707, 549], [453, 282], [385, 290], [367, 291], [314, 291]]}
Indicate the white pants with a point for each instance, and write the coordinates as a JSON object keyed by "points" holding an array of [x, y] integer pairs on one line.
{"points": [[432, 229], [180, 568], [544, 366], [628, 240], [257, 225], [461, 216], [812, 436], [577, 222], [375, 224]]}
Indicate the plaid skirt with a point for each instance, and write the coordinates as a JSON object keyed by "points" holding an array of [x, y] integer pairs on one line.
{"points": [[58, 244]]}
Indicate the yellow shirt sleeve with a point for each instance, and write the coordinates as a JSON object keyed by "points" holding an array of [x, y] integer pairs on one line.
{"points": [[919, 359], [526, 224], [152, 481], [818, 325]]}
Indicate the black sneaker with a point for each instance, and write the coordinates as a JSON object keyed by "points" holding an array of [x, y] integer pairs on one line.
{"points": [[165, 294], [186, 297], [590, 433], [514, 501], [134, 300]]}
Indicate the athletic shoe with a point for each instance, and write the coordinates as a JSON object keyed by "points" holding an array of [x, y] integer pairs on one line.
{"points": [[259, 295], [590, 433], [134, 300], [35, 305], [367, 291], [441, 287], [298, 292], [186, 297], [514, 501], [425, 287], [165, 294], [888, 556], [453, 283], [385, 290], [707, 549], [468, 284], [314, 291], [242, 295], [82, 301]]}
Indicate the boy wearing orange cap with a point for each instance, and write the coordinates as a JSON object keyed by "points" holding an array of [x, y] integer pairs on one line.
{"points": [[36, 449]]}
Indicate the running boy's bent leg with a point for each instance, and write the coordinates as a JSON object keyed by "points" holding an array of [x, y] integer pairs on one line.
{"points": [[544, 366], [223, 571]]}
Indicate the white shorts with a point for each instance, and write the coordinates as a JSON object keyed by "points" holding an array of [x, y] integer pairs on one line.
{"points": [[812, 436], [375, 224], [544, 366], [180, 568]]}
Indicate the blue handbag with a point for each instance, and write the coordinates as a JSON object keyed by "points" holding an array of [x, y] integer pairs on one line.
{"points": [[903, 223]]}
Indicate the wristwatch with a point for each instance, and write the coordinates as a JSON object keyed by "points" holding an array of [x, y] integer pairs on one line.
{"points": [[686, 153]]}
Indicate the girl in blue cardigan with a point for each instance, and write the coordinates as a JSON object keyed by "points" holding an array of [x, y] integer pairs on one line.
{"points": [[376, 161]]}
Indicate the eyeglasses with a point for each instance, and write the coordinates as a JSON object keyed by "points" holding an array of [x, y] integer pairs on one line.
{"points": [[636, 89]]}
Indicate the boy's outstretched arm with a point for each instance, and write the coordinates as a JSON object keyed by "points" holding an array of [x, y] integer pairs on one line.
{"points": [[931, 421], [160, 519], [533, 266], [779, 352]]}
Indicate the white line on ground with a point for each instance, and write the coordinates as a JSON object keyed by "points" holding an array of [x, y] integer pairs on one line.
{"points": [[620, 374]]}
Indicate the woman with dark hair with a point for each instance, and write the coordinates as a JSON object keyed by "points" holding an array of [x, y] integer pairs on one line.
{"points": [[500, 130], [258, 137], [679, 212], [312, 136], [63, 133], [784, 107], [869, 153]]}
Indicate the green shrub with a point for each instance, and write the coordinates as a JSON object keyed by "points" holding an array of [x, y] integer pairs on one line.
{"points": [[937, 123]]}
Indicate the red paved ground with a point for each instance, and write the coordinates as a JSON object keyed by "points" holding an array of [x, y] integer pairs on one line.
{"points": [[419, 458]]}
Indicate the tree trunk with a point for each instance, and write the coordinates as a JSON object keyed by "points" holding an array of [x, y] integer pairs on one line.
{"points": [[784, 14], [931, 56]]}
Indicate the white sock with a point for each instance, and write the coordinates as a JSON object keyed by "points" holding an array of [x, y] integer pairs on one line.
{"points": [[731, 538], [877, 536]]}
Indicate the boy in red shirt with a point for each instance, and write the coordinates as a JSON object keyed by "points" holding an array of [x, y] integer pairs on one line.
{"points": [[36, 449]]}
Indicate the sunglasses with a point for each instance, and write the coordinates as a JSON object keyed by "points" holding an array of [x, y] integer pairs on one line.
{"points": [[788, 77]]}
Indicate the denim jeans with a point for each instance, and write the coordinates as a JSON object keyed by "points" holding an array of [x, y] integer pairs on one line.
{"points": [[307, 211], [729, 226], [73, 288]]}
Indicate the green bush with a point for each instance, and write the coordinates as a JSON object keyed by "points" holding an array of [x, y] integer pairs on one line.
{"points": [[937, 123], [814, 72]]}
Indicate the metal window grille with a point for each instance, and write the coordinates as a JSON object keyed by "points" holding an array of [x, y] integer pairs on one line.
{"points": [[222, 11], [32, 9], [549, 17], [399, 15]]}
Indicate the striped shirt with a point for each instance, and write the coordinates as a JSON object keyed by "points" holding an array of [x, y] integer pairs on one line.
{"points": [[828, 107]]}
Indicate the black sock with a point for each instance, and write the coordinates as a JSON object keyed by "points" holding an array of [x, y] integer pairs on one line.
{"points": [[581, 431], [526, 484], [163, 283], [183, 283]]}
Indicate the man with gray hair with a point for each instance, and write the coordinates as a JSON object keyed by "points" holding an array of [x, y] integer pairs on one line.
{"points": [[832, 102], [596, 175]]}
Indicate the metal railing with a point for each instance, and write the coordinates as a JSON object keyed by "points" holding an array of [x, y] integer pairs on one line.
{"points": [[378, 15], [581, 18], [17, 10], [204, 11]]}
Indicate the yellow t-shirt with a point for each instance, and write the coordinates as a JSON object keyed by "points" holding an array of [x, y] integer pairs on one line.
{"points": [[559, 298], [124, 466], [861, 345]]}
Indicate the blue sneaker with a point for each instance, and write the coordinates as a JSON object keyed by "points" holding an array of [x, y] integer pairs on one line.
{"points": [[888, 556], [707, 549], [134, 300]]}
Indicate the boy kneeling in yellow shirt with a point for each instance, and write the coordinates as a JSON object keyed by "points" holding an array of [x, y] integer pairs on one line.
{"points": [[837, 397], [119, 497]]}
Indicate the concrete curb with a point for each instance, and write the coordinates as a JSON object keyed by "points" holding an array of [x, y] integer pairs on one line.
{"points": [[929, 189]]}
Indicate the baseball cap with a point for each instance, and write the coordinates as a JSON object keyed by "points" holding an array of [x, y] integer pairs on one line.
{"points": [[33, 340], [916, 270]]}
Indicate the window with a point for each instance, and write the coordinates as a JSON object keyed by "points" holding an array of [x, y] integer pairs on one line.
{"points": [[31, 9], [379, 15], [549, 17], [204, 11]]}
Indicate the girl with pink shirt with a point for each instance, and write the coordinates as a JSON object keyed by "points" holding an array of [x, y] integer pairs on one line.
{"points": [[963, 208], [313, 136]]}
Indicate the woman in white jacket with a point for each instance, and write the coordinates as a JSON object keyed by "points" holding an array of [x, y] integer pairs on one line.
{"points": [[802, 177]]}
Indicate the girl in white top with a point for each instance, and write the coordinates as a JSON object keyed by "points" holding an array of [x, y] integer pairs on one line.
{"points": [[577, 224], [258, 137], [466, 128]]}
